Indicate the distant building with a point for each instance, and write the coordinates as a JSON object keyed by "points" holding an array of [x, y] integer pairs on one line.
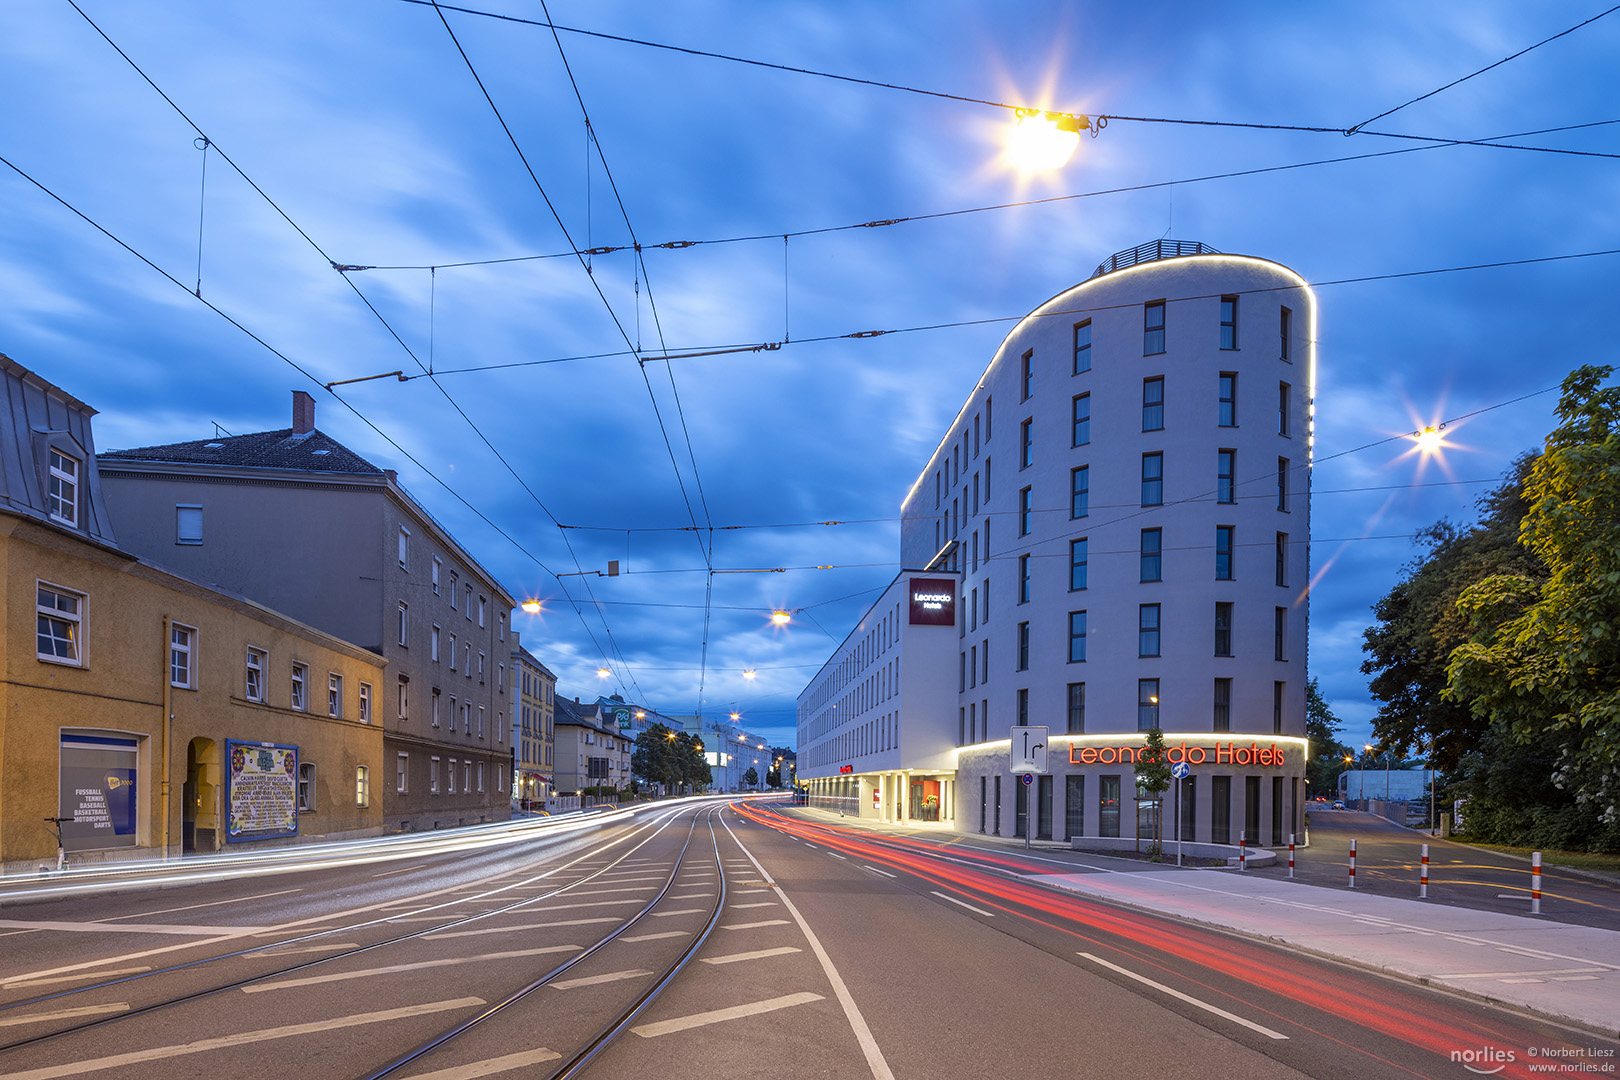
{"points": [[591, 751], [161, 715], [299, 522], [1116, 524], [534, 706], [730, 749], [1390, 785]]}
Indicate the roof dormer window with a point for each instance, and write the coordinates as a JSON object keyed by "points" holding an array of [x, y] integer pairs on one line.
{"points": [[63, 498]]}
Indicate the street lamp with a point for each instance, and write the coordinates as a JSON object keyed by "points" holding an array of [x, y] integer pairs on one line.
{"points": [[781, 617], [1044, 140], [531, 606]]}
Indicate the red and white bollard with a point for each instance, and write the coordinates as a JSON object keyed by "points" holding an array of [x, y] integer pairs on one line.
{"points": [[1352, 864], [1535, 883], [1290, 854], [1423, 875], [1243, 851]]}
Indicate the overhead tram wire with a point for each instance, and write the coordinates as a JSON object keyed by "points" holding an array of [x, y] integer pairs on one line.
{"points": [[966, 99], [1433, 144], [364, 299], [658, 325]]}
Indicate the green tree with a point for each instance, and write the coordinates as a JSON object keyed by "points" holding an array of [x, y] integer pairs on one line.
{"points": [[1153, 777], [1545, 659], [671, 758], [751, 777], [1327, 752], [1419, 625]]}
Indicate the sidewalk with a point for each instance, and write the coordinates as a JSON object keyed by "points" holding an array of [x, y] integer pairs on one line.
{"points": [[1563, 972]]}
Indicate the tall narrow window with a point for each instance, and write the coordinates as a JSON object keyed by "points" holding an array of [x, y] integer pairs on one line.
{"points": [[1225, 472], [300, 684], [433, 643], [1023, 579], [1026, 511], [1286, 324], [1147, 704], [986, 419], [1023, 646], [1026, 443], [1080, 491], [1223, 552], [362, 786], [334, 694], [60, 615], [1077, 563], [975, 503], [1153, 404], [1023, 706], [452, 652], [1223, 705], [255, 674], [1082, 420], [1229, 322], [451, 591], [435, 713], [188, 523], [1277, 689], [483, 605], [976, 435], [1153, 479], [404, 548], [1284, 397], [1027, 380], [1147, 630], [365, 703], [1282, 483], [1153, 328], [1077, 708], [1282, 559], [62, 501], [1223, 628], [1279, 634], [1077, 636], [1082, 346], [182, 672], [402, 766], [402, 694], [1228, 400], [1152, 556], [404, 621], [987, 478], [438, 564], [306, 786]]}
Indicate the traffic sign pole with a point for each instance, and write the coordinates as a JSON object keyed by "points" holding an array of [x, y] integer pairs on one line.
{"points": [[1179, 770]]}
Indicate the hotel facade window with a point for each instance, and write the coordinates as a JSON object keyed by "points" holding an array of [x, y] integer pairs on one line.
{"points": [[1023, 579], [1077, 564], [1223, 628], [1147, 704], [1225, 476], [1028, 381], [1077, 708], [1082, 419], [1282, 484], [1151, 560], [1023, 646], [1026, 511], [1224, 544], [1026, 443], [1223, 705], [1153, 479], [1082, 346], [1153, 404], [1282, 559], [1227, 414], [1285, 394], [1229, 312], [1077, 637], [1080, 491], [1153, 328], [1147, 630]]}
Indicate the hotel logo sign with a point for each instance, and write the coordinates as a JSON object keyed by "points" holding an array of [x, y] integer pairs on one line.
{"points": [[933, 601]]}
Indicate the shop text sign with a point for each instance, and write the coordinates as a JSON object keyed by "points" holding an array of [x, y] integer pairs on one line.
{"points": [[1220, 754], [933, 601]]}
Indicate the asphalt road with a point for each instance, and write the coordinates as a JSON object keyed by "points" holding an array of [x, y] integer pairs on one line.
{"points": [[1388, 863], [819, 951]]}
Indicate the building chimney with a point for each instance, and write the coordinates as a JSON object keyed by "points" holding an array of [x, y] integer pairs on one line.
{"points": [[303, 413]]}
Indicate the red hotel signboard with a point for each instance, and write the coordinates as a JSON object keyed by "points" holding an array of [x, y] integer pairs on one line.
{"points": [[1220, 754], [933, 601]]}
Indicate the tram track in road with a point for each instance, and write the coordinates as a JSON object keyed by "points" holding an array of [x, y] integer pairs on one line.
{"points": [[13, 1013]]}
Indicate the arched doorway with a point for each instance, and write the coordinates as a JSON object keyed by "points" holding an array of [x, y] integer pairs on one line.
{"points": [[200, 798]]}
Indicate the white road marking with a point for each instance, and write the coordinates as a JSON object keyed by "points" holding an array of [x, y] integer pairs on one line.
{"points": [[303, 932], [213, 903], [64, 1014], [244, 1038], [391, 873], [655, 937], [491, 1066], [875, 870], [453, 961], [759, 954], [591, 903], [604, 892], [135, 928], [691, 896], [1512, 896], [762, 903], [426, 918], [753, 925], [78, 976], [520, 926], [1521, 980], [750, 892], [683, 911], [852, 1012], [593, 980], [716, 1016], [970, 907], [1574, 978], [1188, 998], [835, 855], [1511, 974], [302, 949]]}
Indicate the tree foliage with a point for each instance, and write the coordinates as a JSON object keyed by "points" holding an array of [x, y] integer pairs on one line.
{"points": [[671, 758], [1544, 660], [1327, 752], [1153, 777], [751, 777], [1419, 625]]}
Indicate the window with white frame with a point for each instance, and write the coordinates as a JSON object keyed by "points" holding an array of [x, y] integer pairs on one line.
{"points": [[452, 652], [450, 777], [402, 773], [404, 548], [480, 667], [60, 623], [362, 785], [188, 523], [466, 718], [467, 593], [257, 660], [480, 721], [404, 621], [502, 619], [466, 776], [404, 696], [182, 665], [433, 775], [365, 703], [300, 686], [433, 644], [435, 706], [62, 500], [483, 604], [334, 694], [500, 678], [438, 564], [451, 591], [306, 786], [480, 776]]}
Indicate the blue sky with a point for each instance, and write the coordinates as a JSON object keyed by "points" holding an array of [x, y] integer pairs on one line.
{"points": [[363, 124]]}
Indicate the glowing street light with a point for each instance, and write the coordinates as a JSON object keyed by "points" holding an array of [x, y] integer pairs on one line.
{"points": [[531, 606], [781, 617], [602, 672], [749, 673], [1044, 140], [736, 715], [1430, 440]]}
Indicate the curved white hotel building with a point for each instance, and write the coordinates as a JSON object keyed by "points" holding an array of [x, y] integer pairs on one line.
{"points": [[1122, 511]]}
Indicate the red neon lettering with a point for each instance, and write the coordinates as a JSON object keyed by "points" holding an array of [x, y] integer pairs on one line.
{"points": [[1087, 755], [1196, 756], [1108, 755], [1223, 754], [1242, 756]]}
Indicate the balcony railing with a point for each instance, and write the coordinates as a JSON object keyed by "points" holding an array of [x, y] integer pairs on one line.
{"points": [[1152, 252]]}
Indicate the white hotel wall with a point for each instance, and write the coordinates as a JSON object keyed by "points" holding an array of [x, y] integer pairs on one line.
{"points": [[1191, 366]]}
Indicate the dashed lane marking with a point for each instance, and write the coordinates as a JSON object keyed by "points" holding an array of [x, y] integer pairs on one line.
{"points": [[64, 1014], [243, 1038], [758, 954], [682, 911], [1188, 998], [453, 961], [78, 976], [762, 903], [970, 907], [655, 937], [301, 949], [716, 1016], [521, 926], [491, 1066], [755, 925], [593, 980]]}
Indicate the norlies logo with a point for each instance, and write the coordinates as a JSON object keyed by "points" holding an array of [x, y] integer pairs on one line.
{"points": [[1486, 1061]]}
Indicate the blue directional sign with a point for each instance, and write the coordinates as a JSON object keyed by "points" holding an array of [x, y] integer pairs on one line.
{"points": [[1181, 770]]}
